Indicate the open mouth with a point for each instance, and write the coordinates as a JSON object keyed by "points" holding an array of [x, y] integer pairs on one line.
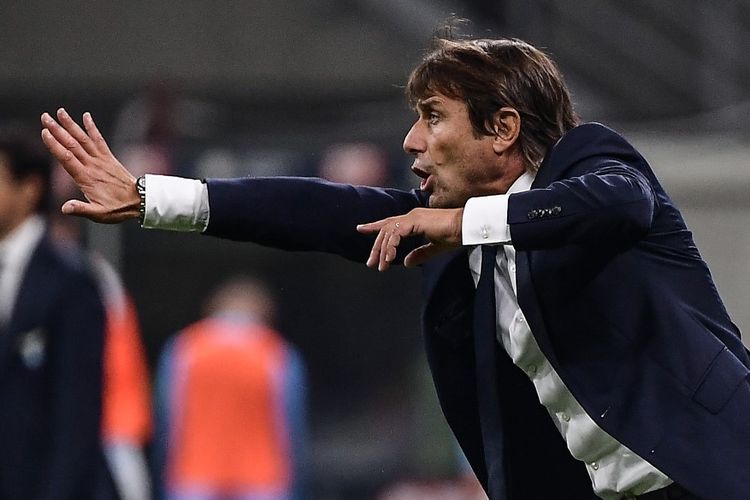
{"points": [[426, 184]]}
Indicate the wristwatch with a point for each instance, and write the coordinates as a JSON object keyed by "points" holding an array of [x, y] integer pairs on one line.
{"points": [[140, 187]]}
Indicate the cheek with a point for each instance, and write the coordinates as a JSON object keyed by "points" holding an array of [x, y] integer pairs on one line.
{"points": [[446, 153]]}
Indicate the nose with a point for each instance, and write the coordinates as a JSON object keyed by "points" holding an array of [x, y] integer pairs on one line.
{"points": [[414, 141]]}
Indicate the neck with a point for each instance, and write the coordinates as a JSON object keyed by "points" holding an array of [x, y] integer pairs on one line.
{"points": [[11, 226]]}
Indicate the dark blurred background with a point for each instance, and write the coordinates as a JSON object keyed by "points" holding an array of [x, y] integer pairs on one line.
{"points": [[211, 89]]}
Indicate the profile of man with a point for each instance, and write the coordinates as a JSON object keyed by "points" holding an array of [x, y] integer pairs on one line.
{"points": [[550, 238]]}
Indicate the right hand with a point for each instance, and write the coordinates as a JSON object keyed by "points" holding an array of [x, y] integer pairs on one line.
{"points": [[109, 188], [440, 226]]}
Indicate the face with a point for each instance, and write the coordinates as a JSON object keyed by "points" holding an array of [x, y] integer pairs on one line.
{"points": [[453, 163], [17, 198]]}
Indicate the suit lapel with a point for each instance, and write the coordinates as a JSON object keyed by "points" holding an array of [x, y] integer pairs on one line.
{"points": [[448, 292], [436, 269], [527, 298]]}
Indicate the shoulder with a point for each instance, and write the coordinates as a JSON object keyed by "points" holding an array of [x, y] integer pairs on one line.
{"points": [[68, 259], [66, 268], [60, 292], [595, 139], [587, 147], [592, 139]]}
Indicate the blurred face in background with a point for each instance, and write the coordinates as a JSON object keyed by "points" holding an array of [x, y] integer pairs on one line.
{"points": [[454, 162], [18, 197]]}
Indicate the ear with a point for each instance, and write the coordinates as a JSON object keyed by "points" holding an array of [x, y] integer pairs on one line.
{"points": [[507, 126]]}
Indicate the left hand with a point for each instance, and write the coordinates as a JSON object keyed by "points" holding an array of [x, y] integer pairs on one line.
{"points": [[441, 226], [109, 188]]}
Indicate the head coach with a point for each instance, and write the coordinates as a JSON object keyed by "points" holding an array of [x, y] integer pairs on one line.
{"points": [[577, 343]]}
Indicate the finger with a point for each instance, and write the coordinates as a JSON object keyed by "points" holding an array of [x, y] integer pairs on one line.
{"points": [[371, 227], [393, 242], [69, 162], [374, 257], [422, 254], [383, 263], [388, 249], [77, 132], [64, 138], [96, 136]]}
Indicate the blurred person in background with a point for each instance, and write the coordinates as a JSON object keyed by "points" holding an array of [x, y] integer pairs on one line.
{"points": [[51, 342], [231, 417], [151, 129], [557, 271], [126, 417], [358, 163]]}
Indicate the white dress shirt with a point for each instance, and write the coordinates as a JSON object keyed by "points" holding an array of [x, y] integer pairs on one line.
{"points": [[616, 472], [15, 252], [175, 204]]}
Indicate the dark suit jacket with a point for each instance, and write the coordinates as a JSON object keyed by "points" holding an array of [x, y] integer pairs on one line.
{"points": [[51, 383], [613, 287]]}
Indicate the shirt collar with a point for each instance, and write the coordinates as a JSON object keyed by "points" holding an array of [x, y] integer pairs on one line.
{"points": [[16, 248], [523, 183], [16, 251]]}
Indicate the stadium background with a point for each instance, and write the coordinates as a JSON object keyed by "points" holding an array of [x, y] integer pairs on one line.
{"points": [[273, 87]]}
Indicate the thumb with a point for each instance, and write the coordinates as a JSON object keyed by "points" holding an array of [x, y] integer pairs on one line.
{"points": [[422, 254], [78, 208]]}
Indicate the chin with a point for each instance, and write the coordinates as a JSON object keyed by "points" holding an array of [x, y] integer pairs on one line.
{"points": [[447, 200], [437, 202], [434, 202]]}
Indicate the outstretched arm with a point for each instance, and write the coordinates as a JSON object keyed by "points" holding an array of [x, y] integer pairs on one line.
{"points": [[109, 188], [289, 213], [612, 203]]}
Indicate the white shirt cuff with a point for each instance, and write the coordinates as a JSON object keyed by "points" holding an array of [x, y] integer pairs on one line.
{"points": [[485, 220], [176, 204]]}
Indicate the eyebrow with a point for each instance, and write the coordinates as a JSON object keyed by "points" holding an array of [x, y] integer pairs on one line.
{"points": [[427, 104]]}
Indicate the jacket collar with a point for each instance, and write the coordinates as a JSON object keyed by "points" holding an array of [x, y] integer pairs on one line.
{"points": [[579, 143]]}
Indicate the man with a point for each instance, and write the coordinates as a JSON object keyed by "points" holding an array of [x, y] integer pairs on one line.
{"points": [[599, 304], [230, 404], [51, 334]]}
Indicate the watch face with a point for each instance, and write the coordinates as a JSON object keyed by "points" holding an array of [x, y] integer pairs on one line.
{"points": [[140, 184]]}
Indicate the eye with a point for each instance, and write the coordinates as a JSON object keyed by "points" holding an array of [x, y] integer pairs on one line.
{"points": [[433, 118]]}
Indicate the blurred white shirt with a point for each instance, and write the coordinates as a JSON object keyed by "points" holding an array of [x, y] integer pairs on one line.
{"points": [[16, 250]]}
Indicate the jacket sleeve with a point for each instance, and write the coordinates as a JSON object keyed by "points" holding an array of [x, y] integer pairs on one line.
{"points": [[608, 201], [294, 213]]}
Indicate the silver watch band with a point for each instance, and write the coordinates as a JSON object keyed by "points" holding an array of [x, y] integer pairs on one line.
{"points": [[140, 187]]}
